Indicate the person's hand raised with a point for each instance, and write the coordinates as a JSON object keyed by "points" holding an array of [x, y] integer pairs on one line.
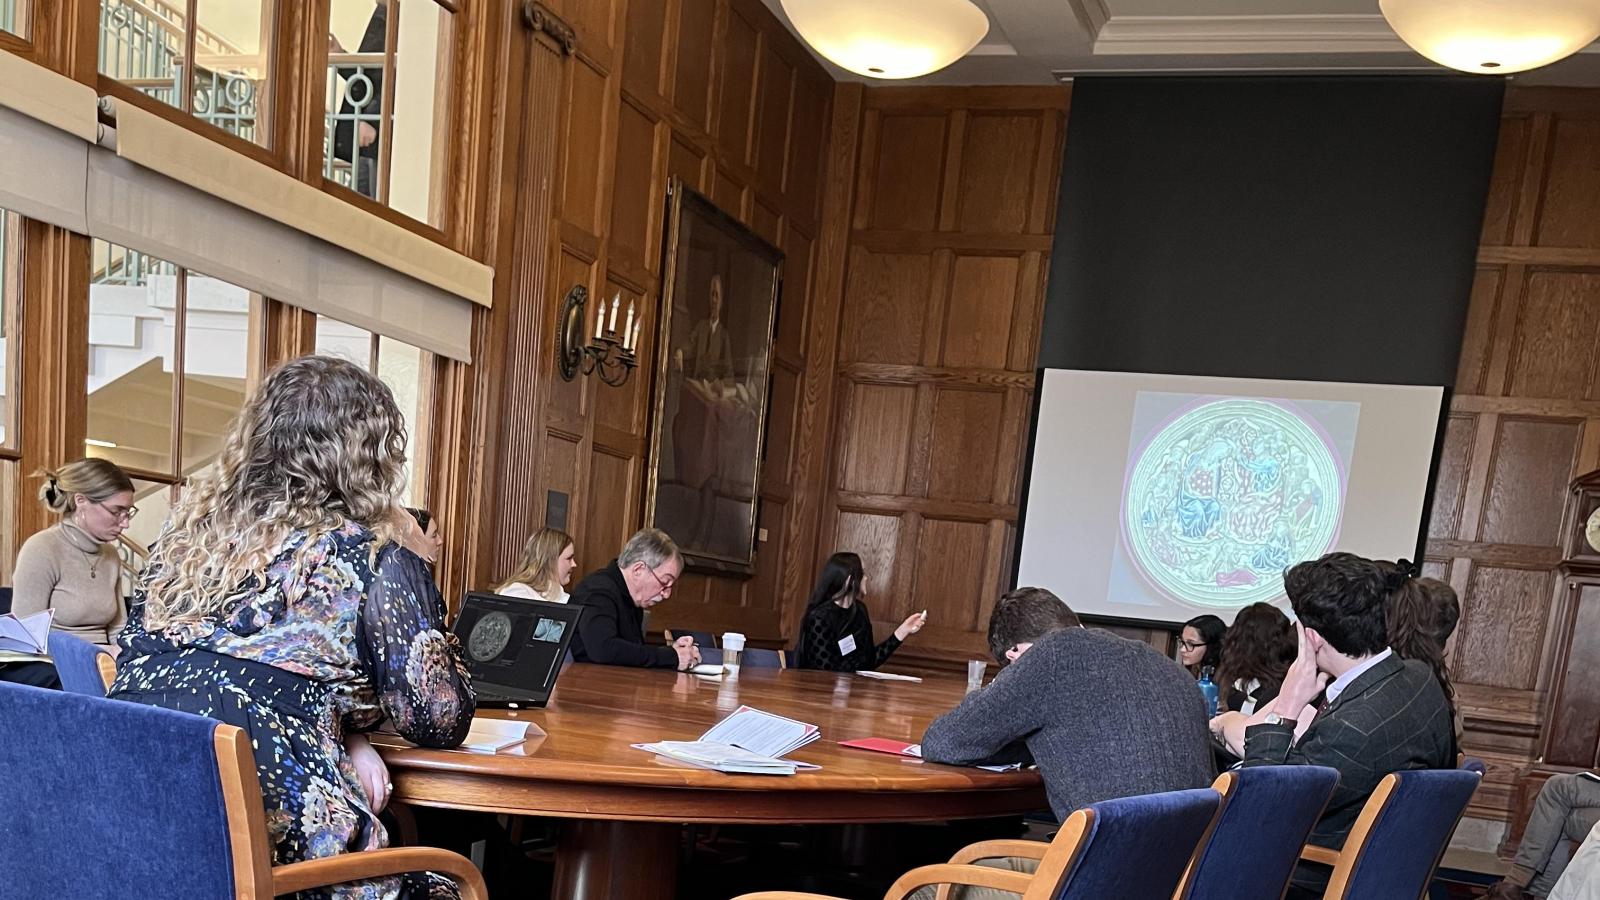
{"points": [[911, 625]]}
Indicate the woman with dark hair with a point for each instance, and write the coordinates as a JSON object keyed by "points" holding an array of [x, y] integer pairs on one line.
{"points": [[1256, 652], [1200, 645], [1421, 614], [836, 635]]}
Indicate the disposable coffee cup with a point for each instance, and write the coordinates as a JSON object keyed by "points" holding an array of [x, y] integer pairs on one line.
{"points": [[732, 646]]}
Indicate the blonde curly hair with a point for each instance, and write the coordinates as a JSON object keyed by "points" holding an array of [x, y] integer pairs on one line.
{"points": [[322, 443]]}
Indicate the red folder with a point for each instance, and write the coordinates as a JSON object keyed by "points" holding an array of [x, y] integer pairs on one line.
{"points": [[884, 745]]}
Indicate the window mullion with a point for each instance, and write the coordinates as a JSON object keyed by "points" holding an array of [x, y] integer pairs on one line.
{"points": [[179, 339]]}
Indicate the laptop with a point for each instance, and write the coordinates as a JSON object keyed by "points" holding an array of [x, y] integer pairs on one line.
{"points": [[514, 647]]}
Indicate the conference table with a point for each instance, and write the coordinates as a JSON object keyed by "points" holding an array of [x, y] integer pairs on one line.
{"points": [[628, 806]]}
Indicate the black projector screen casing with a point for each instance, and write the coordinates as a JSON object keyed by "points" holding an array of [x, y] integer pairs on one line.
{"points": [[1315, 228]]}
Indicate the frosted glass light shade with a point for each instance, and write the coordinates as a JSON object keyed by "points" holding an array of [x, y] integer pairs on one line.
{"points": [[1494, 37], [889, 38]]}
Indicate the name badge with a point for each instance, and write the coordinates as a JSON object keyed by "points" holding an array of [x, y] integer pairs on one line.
{"points": [[847, 645]]}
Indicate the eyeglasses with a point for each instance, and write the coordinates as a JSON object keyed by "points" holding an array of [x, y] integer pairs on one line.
{"points": [[1191, 645], [124, 515], [666, 586]]}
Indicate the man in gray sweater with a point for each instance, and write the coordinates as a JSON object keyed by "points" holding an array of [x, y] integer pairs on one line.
{"points": [[1102, 716]]}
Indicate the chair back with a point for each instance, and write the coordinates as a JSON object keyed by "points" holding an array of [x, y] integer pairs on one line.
{"points": [[78, 663], [5, 600], [703, 639], [757, 658], [1131, 847], [1398, 839], [126, 800], [710, 656], [1267, 814]]}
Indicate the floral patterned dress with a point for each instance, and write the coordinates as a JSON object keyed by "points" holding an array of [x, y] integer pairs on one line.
{"points": [[365, 640]]}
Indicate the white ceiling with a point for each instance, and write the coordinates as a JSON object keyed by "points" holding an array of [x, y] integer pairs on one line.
{"points": [[1040, 41]]}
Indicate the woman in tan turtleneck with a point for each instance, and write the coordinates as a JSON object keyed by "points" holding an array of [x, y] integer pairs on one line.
{"points": [[73, 567]]}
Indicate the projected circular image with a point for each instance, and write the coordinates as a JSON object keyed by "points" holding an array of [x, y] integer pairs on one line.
{"points": [[1226, 496]]}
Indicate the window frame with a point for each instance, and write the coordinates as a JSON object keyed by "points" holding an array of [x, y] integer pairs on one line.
{"points": [[13, 246], [273, 127]]}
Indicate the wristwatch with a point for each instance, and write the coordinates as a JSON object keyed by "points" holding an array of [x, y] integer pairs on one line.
{"points": [[1275, 719]]}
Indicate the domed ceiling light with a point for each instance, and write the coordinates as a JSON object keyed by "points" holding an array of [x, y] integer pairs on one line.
{"points": [[889, 38], [1494, 37]]}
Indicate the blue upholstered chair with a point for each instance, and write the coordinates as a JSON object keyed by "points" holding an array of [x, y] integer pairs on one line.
{"points": [[111, 800], [1267, 813], [1135, 847], [757, 658], [1401, 834], [81, 665]]}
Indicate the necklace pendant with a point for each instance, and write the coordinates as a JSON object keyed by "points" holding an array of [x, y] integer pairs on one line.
{"points": [[93, 574]]}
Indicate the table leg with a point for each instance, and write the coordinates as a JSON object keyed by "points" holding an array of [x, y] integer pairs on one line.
{"points": [[601, 860]]}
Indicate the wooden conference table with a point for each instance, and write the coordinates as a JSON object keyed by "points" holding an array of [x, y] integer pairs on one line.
{"points": [[629, 805]]}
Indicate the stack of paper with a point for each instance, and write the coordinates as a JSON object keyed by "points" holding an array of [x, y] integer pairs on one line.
{"points": [[889, 676], [26, 638], [494, 735], [748, 741]]}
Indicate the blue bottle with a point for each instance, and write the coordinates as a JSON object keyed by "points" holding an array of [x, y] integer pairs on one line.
{"points": [[1208, 689]]}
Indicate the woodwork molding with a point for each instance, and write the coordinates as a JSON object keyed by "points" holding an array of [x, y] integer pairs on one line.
{"points": [[1245, 35], [545, 23]]}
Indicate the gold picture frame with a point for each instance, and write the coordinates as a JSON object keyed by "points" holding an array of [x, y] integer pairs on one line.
{"points": [[721, 285]]}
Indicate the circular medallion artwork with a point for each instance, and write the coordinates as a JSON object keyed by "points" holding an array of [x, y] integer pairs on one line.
{"points": [[490, 635], [1226, 496]]}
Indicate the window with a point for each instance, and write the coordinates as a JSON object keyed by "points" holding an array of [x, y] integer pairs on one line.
{"points": [[403, 368], [14, 18], [169, 354], [145, 43], [10, 319], [10, 322], [373, 44]]}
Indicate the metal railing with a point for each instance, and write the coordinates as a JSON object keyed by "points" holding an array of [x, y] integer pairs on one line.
{"points": [[113, 264], [354, 105]]}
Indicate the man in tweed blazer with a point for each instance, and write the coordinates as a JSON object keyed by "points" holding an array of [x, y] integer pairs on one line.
{"points": [[1378, 714]]}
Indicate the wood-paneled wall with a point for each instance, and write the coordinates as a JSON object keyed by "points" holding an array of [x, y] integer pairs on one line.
{"points": [[1524, 421], [718, 94], [950, 238]]}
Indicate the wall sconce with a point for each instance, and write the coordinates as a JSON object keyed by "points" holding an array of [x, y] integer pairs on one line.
{"points": [[614, 353]]}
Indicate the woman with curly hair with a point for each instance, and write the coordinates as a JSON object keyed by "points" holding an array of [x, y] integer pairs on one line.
{"points": [[1256, 653], [278, 599]]}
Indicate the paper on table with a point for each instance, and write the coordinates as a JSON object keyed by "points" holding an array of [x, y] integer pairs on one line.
{"points": [[889, 676], [761, 733], [706, 669], [26, 634], [884, 745], [494, 735]]}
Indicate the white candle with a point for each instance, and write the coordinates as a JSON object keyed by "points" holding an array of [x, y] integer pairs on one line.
{"points": [[599, 319], [615, 302], [634, 344], [627, 327]]}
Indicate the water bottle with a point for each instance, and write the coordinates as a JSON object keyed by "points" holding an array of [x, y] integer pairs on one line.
{"points": [[1208, 689]]}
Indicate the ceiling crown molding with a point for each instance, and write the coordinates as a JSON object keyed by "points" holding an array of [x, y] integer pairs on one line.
{"points": [[1244, 35], [1091, 14]]}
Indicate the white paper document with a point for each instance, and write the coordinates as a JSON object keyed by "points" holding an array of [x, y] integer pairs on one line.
{"points": [[889, 676], [721, 757], [762, 733], [494, 735]]}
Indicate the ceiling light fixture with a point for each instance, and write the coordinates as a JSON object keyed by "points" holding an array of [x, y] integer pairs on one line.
{"points": [[1494, 37], [889, 38]]}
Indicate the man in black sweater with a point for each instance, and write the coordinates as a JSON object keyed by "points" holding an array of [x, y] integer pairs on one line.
{"points": [[611, 631], [1102, 716]]}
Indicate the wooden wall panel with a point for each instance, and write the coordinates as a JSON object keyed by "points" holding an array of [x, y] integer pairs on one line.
{"points": [[955, 197], [704, 90], [1525, 420]]}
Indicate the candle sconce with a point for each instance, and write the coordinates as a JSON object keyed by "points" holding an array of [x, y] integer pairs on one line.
{"points": [[613, 353]]}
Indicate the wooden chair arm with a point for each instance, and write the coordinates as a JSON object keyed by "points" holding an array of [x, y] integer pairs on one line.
{"points": [[300, 876], [999, 850], [1313, 853], [107, 667], [971, 876]]}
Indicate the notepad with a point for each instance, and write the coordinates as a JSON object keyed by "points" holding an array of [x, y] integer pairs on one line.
{"points": [[884, 745], [889, 676], [762, 733], [721, 757], [494, 735], [711, 669], [25, 638]]}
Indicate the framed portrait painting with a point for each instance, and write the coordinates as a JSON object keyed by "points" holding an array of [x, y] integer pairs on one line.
{"points": [[720, 290]]}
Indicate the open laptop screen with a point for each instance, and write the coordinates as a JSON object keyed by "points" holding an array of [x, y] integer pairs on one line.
{"points": [[514, 647]]}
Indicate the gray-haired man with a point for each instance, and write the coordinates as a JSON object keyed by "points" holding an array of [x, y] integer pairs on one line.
{"points": [[611, 631]]}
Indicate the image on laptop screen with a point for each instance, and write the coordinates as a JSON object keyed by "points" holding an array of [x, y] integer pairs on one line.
{"points": [[514, 647]]}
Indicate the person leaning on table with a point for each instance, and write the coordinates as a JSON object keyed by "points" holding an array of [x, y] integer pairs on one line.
{"points": [[611, 629]]}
